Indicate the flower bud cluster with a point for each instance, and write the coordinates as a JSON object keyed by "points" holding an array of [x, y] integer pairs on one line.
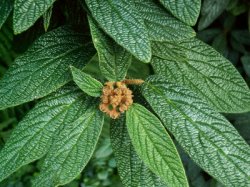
{"points": [[116, 99]]}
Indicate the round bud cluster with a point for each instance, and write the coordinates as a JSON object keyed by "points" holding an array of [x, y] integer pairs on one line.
{"points": [[116, 99]]}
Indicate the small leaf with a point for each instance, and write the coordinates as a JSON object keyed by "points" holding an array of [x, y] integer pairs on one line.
{"points": [[132, 170], [199, 67], [211, 9], [154, 146], [185, 10], [160, 24], [71, 149], [33, 136], [44, 67], [87, 83], [209, 139], [46, 18], [122, 22], [6, 7], [26, 12], [114, 60]]}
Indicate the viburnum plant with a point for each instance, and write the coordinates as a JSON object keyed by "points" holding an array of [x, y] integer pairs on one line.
{"points": [[179, 99]]}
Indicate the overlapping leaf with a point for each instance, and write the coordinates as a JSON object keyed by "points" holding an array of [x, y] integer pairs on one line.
{"points": [[199, 67], [154, 146], [186, 10], [44, 67], [209, 139], [6, 7], [86, 83], [123, 23], [160, 24], [26, 12], [33, 136], [72, 149], [132, 170], [114, 60], [211, 9]]}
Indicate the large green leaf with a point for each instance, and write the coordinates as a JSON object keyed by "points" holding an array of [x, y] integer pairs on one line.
{"points": [[71, 149], [132, 170], [196, 65], [210, 10], [186, 10], [123, 23], [114, 60], [160, 24], [26, 12], [154, 146], [86, 83], [33, 136], [44, 67], [6, 7], [209, 139]]}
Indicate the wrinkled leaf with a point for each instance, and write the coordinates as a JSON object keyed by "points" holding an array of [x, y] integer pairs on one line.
{"points": [[86, 83], [209, 139], [72, 149], [199, 67], [132, 170], [114, 60], [6, 7], [44, 67], [122, 22], [154, 146], [185, 10], [26, 12], [160, 24], [33, 136]]}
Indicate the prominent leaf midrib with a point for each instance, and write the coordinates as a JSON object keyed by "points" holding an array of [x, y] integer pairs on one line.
{"points": [[157, 150], [207, 78], [190, 120], [90, 117], [39, 131], [221, 99], [47, 64], [194, 125]]}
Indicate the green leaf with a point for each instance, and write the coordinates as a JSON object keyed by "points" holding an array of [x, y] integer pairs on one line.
{"points": [[44, 67], [114, 60], [46, 18], [6, 7], [86, 83], [7, 55], [199, 67], [241, 36], [209, 139], [246, 64], [185, 10], [32, 138], [72, 149], [154, 146], [161, 25], [211, 9], [122, 22], [27, 12], [132, 170]]}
